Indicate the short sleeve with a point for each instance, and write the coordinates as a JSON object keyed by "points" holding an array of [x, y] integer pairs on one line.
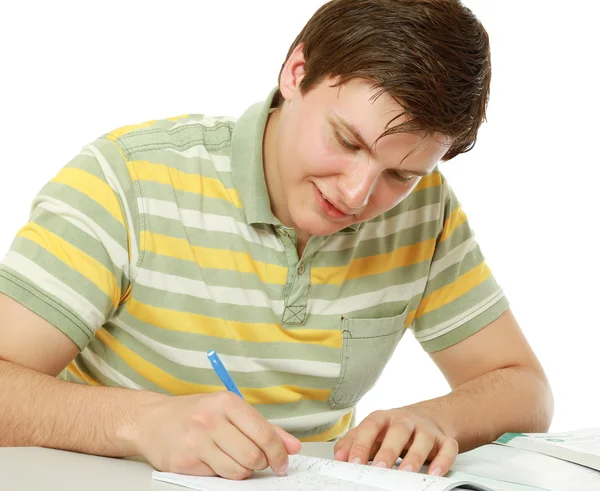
{"points": [[70, 263], [461, 295]]}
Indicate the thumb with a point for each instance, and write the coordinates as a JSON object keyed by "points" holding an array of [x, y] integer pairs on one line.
{"points": [[292, 444]]}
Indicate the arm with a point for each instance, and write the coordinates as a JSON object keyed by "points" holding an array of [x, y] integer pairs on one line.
{"points": [[36, 409], [498, 385]]}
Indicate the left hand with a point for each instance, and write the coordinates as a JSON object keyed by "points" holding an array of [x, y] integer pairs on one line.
{"points": [[383, 436]]}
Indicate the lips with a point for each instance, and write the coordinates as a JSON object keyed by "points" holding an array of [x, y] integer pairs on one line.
{"points": [[334, 205], [329, 208]]}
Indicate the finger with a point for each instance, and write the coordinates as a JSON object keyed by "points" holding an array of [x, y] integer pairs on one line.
{"points": [[364, 439], [223, 464], [396, 438], [418, 452], [252, 424], [341, 449], [445, 457], [240, 448], [292, 444]]}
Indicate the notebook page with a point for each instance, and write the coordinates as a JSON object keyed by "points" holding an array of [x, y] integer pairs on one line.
{"points": [[309, 473]]}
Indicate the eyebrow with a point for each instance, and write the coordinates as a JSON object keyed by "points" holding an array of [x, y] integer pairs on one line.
{"points": [[337, 121]]}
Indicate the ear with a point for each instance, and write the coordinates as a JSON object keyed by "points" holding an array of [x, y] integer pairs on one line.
{"points": [[292, 73]]}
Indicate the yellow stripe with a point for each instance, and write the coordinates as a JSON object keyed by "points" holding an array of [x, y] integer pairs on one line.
{"points": [[409, 318], [463, 284], [75, 258], [432, 180], [74, 370], [182, 181], [333, 432], [221, 328], [206, 257], [381, 263], [91, 186], [282, 394], [456, 218], [113, 135]]}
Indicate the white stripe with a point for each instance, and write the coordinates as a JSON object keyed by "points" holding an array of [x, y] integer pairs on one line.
{"points": [[384, 228], [45, 281], [310, 420], [118, 255], [109, 372], [221, 163], [113, 182], [209, 222], [452, 257], [198, 359], [394, 293], [199, 289], [459, 320]]}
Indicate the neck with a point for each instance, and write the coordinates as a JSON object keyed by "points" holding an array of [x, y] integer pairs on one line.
{"points": [[271, 169]]}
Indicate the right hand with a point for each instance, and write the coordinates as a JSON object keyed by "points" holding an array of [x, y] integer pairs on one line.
{"points": [[216, 434]]}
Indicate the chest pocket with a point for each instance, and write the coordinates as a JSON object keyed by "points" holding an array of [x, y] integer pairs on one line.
{"points": [[367, 346]]}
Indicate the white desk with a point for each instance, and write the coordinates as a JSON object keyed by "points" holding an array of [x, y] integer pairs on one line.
{"points": [[44, 469]]}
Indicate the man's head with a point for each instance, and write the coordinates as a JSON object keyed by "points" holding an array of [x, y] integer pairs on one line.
{"points": [[411, 77]]}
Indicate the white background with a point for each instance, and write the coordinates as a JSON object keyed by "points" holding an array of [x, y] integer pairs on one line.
{"points": [[73, 71]]}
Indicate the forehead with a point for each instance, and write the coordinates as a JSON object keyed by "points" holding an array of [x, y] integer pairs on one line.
{"points": [[354, 102]]}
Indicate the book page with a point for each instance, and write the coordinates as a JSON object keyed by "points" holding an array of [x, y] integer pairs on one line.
{"points": [[514, 469], [586, 441], [581, 446], [310, 473]]}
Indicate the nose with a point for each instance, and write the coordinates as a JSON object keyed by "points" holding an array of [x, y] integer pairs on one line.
{"points": [[357, 185]]}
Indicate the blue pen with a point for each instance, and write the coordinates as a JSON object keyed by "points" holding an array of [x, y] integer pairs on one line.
{"points": [[222, 372]]}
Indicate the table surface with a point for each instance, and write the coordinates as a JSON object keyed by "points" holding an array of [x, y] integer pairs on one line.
{"points": [[45, 469]]}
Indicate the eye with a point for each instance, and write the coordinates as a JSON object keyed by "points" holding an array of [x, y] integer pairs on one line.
{"points": [[400, 177], [343, 142]]}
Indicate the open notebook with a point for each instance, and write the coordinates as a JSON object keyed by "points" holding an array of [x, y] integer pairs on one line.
{"points": [[310, 473]]}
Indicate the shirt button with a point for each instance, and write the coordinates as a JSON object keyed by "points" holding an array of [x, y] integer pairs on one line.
{"points": [[301, 269]]}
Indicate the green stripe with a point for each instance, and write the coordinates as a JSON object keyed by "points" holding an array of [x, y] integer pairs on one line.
{"points": [[47, 306], [77, 238], [90, 208]]}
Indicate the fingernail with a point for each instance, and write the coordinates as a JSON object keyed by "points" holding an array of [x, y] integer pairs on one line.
{"points": [[356, 460], [436, 472], [408, 468], [284, 468], [379, 464]]}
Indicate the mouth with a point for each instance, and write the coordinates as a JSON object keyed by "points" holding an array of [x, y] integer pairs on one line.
{"points": [[327, 206]]}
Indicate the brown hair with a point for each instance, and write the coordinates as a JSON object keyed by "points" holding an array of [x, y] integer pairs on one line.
{"points": [[431, 56]]}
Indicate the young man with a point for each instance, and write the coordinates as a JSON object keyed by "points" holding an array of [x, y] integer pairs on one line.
{"points": [[299, 242]]}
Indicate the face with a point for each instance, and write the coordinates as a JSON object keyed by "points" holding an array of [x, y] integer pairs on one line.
{"points": [[322, 171]]}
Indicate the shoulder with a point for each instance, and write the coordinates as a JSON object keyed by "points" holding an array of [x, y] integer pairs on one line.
{"points": [[177, 133]]}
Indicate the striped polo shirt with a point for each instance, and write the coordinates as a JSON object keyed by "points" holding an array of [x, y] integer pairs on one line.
{"points": [[157, 244]]}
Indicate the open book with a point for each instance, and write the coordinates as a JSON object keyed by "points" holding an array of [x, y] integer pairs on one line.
{"points": [[310, 473], [580, 447]]}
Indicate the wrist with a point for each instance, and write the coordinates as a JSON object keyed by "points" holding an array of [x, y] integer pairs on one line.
{"points": [[132, 430], [439, 412]]}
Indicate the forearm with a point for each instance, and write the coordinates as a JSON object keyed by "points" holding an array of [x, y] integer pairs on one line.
{"points": [[506, 400], [40, 410]]}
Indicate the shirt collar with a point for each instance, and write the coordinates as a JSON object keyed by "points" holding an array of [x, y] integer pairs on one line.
{"points": [[247, 163]]}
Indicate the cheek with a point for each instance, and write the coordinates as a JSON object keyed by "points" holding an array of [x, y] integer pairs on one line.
{"points": [[387, 195]]}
